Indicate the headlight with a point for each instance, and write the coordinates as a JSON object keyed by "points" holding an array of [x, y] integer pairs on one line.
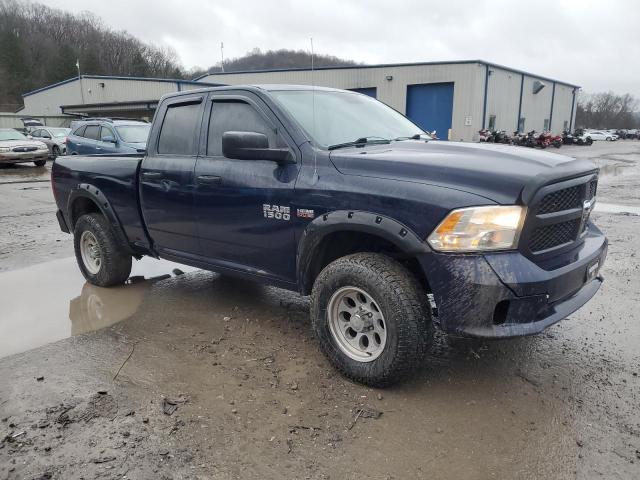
{"points": [[477, 229], [5, 149]]}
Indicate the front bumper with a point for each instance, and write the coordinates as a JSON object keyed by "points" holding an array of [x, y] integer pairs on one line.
{"points": [[23, 157], [502, 295]]}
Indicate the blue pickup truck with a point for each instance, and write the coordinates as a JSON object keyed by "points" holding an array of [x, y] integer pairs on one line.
{"points": [[335, 195]]}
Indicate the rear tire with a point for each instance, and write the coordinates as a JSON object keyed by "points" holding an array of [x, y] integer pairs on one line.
{"points": [[40, 163], [102, 259], [371, 295]]}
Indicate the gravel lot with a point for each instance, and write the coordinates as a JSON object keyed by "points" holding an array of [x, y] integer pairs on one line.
{"points": [[186, 374]]}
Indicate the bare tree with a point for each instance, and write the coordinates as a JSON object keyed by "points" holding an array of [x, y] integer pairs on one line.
{"points": [[607, 110]]}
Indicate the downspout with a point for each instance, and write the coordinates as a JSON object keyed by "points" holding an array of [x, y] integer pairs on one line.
{"points": [[573, 106], [553, 96], [486, 88], [520, 104]]}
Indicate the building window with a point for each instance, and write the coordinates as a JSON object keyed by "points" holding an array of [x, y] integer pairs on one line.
{"points": [[546, 124], [521, 123], [492, 122]]}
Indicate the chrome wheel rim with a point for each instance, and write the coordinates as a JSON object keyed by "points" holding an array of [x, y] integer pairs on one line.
{"points": [[357, 324], [90, 252]]}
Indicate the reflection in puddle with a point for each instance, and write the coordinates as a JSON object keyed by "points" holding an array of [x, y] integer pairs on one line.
{"points": [[51, 301], [615, 170], [614, 208]]}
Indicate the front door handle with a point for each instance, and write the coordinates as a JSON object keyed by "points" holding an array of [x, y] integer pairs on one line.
{"points": [[208, 179], [152, 174]]}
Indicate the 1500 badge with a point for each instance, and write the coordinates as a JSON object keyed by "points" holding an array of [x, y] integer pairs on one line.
{"points": [[277, 212]]}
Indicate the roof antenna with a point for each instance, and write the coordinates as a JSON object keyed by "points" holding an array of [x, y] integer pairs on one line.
{"points": [[315, 177]]}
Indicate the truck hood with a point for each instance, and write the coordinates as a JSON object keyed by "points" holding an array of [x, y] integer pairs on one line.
{"points": [[501, 173]]}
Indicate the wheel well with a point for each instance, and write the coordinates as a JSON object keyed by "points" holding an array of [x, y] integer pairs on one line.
{"points": [[339, 244], [82, 206]]}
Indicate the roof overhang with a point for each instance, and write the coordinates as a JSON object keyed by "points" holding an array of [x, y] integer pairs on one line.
{"points": [[90, 108]]}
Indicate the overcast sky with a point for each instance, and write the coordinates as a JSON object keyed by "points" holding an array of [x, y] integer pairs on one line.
{"points": [[595, 44]]}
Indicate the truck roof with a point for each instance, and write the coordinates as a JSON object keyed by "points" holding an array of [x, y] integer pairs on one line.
{"points": [[253, 87]]}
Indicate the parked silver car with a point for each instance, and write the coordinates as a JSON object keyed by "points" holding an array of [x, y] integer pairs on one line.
{"points": [[54, 137], [17, 148]]}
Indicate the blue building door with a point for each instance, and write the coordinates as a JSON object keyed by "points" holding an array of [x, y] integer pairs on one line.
{"points": [[371, 91], [430, 105]]}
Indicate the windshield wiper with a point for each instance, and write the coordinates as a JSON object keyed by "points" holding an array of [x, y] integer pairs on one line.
{"points": [[361, 141], [417, 136]]}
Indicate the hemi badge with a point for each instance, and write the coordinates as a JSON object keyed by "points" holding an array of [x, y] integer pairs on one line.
{"points": [[305, 213]]}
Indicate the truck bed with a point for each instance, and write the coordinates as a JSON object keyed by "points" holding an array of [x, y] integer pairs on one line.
{"points": [[115, 176]]}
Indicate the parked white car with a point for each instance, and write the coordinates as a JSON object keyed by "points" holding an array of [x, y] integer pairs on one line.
{"points": [[602, 135]]}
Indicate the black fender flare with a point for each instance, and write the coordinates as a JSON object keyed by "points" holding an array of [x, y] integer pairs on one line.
{"points": [[92, 193], [354, 221]]}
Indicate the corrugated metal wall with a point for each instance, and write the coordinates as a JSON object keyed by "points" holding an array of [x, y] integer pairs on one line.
{"points": [[391, 83], [536, 107], [12, 120], [48, 102], [503, 99], [562, 108]]}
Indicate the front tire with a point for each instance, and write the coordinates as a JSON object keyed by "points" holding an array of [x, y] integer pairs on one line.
{"points": [[102, 259], [39, 163], [55, 151], [372, 318]]}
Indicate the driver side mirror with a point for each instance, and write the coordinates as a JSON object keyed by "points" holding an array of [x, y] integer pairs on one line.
{"points": [[253, 146], [108, 139]]}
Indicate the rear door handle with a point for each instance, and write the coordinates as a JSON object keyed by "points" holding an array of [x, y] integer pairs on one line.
{"points": [[208, 179], [152, 174]]}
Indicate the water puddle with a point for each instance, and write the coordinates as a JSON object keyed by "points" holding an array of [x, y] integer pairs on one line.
{"points": [[615, 208], [50, 301], [615, 170]]}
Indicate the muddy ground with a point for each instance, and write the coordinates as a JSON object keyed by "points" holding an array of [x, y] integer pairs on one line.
{"points": [[186, 374]]}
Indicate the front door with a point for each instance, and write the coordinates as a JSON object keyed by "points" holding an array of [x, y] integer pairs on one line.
{"points": [[245, 220], [166, 177], [107, 141]]}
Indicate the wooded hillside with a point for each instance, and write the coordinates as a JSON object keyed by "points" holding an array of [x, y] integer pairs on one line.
{"points": [[40, 45]]}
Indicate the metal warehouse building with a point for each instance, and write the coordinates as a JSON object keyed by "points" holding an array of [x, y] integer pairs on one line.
{"points": [[456, 99], [97, 95]]}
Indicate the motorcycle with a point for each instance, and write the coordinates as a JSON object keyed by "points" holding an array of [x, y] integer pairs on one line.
{"points": [[567, 138], [582, 138], [543, 140], [485, 135], [501, 137], [530, 139], [556, 140]]}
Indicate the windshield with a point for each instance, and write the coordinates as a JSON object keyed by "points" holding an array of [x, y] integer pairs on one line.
{"points": [[133, 133], [59, 132], [342, 117], [11, 135]]}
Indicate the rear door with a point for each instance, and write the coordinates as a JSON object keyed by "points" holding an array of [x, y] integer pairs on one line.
{"points": [[166, 176], [245, 218], [88, 144]]}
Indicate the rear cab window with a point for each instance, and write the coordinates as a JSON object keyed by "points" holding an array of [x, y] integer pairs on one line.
{"points": [[180, 128]]}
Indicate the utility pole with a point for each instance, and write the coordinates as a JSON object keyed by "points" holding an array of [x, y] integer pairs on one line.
{"points": [[222, 56], [80, 80]]}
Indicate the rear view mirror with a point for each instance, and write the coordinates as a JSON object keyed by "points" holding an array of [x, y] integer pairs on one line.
{"points": [[252, 146], [108, 139]]}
